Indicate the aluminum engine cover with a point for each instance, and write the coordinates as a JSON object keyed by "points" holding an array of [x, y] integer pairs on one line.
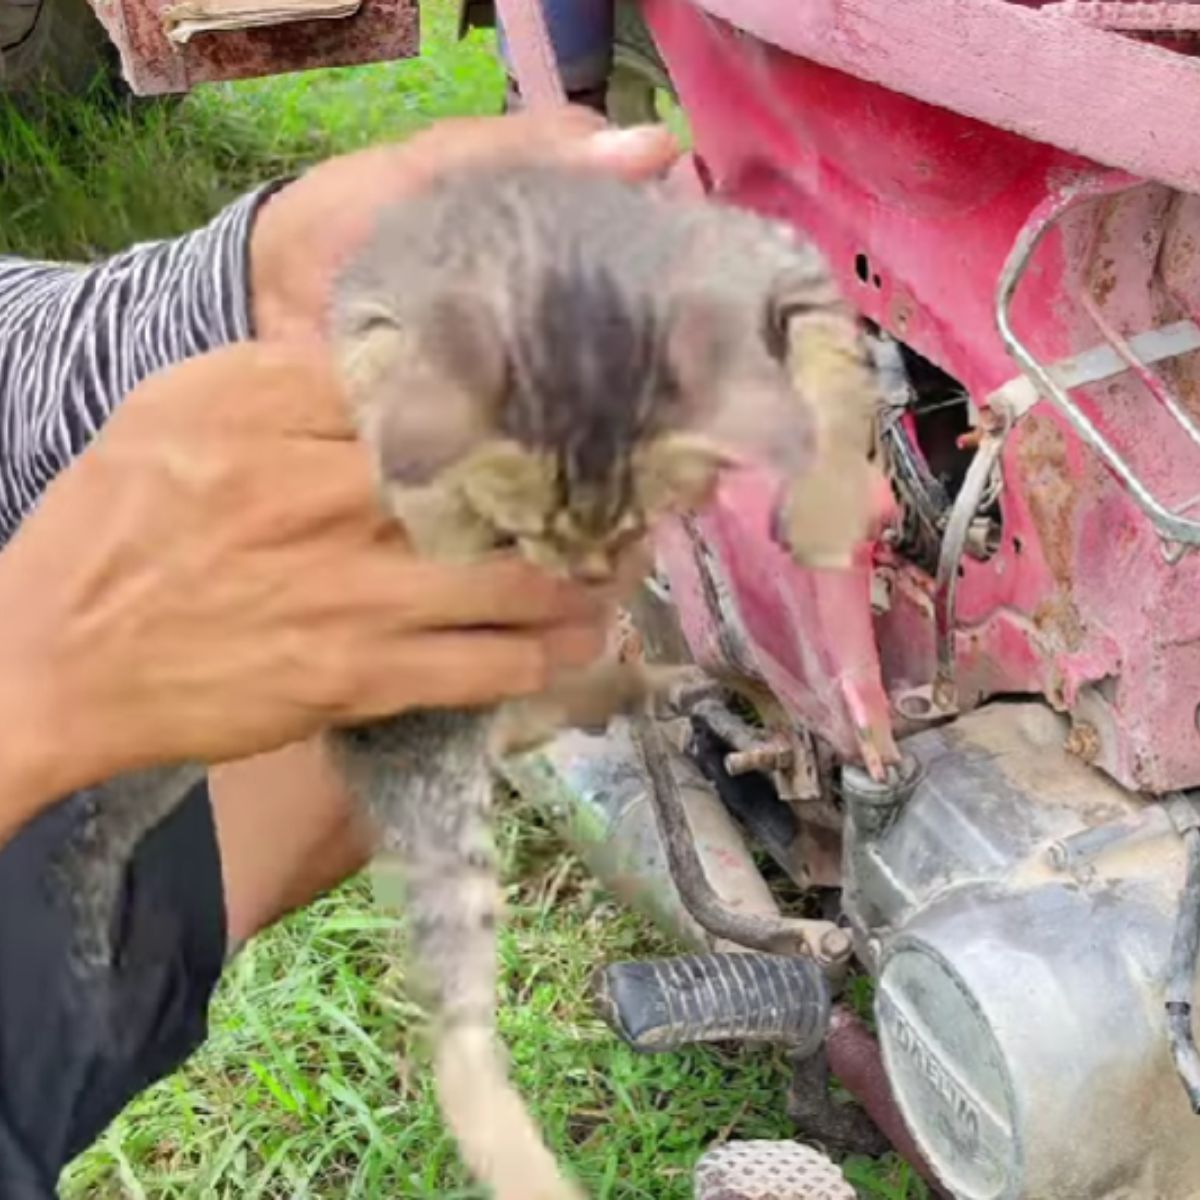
{"points": [[1017, 911]]}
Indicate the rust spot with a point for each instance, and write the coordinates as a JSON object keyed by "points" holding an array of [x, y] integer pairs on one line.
{"points": [[1105, 281], [1181, 374], [1058, 617], [1181, 256], [380, 31], [1084, 741], [1051, 494], [901, 311]]}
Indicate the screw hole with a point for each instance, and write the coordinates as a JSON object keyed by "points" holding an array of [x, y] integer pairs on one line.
{"points": [[1018, 546], [877, 281], [915, 706], [862, 267]]}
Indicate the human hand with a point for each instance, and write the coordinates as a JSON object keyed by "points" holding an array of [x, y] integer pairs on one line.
{"points": [[213, 578], [306, 231]]}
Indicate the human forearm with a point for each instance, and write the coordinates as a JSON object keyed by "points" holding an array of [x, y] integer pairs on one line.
{"points": [[74, 340], [39, 759]]}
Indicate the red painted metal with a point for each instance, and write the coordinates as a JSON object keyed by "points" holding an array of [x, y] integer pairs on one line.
{"points": [[1079, 604], [380, 31], [532, 50], [1118, 101], [1140, 16]]}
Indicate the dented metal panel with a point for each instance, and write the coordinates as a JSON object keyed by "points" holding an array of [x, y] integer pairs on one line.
{"points": [[381, 30]]}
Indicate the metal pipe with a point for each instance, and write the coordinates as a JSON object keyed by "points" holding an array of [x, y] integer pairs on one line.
{"points": [[593, 790], [756, 931], [855, 1058], [954, 541]]}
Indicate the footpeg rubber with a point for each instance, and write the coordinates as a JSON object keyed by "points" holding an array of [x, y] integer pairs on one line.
{"points": [[662, 1004], [769, 1171]]}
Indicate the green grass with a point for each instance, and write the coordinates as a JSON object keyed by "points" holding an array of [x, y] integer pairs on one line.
{"points": [[82, 179], [296, 1094]]}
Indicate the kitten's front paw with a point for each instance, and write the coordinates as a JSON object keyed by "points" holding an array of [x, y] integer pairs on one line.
{"points": [[587, 700]]}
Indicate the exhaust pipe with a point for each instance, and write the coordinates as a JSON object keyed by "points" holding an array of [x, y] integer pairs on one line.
{"points": [[593, 789]]}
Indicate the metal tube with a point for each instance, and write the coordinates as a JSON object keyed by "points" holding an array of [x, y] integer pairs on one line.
{"points": [[593, 789], [954, 541], [757, 931], [1181, 974], [855, 1058], [1168, 523]]}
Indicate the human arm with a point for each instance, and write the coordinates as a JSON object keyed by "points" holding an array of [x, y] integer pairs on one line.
{"points": [[75, 339], [66, 354], [212, 579]]}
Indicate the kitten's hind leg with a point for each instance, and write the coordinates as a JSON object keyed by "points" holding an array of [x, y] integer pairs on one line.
{"points": [[425, 780], [90, 869], [454, 905]]}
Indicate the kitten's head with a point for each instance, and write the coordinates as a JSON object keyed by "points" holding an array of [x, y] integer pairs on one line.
{"points": [[566, 411]]}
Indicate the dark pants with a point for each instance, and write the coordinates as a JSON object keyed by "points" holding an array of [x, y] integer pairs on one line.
{"points": [[63, 1074]]}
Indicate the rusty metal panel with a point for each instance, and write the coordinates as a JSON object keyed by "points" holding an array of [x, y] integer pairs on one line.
{"points": [[380, 31]]}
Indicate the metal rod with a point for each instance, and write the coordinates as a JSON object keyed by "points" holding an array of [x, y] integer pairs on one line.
{"points": [[776, 935], [954, 541], [1156, 386], [1019, 395]]}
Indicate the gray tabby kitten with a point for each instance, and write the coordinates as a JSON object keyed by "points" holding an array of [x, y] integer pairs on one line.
{"points": [[539, 359]]}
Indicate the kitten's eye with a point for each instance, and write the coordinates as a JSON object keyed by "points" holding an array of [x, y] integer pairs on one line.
{"points": [[775, 329], [376, 324], [370, 317]]}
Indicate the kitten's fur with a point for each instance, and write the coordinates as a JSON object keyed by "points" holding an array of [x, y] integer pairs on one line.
{"points": [[544, 359]]}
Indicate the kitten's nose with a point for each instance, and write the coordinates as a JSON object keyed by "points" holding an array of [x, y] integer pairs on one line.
{"points": [[594, 567]]}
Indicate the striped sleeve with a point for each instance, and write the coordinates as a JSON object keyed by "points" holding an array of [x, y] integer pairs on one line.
{"points": [[74, 340]]}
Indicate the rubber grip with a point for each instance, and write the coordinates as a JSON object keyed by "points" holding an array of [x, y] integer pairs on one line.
{"points": [[661, 1004]]}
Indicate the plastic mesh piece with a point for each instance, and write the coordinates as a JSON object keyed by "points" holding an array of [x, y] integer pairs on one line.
{"points": [[769, 1171]]}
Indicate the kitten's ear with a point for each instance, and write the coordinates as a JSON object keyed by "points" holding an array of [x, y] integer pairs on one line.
{"points": [[729, 371], [511, 487], [425, 392], [699, 340]]}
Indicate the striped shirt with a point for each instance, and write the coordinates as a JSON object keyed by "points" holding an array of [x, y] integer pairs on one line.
{"points": [[75, 339]]}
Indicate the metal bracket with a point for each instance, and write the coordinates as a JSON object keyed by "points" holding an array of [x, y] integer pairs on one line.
{"points": [[954, 540], [1171, 524]]}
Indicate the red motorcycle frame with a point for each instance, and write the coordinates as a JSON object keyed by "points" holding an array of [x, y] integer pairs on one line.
{"points": [[934, 151]]}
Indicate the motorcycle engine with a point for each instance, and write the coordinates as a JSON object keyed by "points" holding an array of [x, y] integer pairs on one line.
{"points": [[1017, 908]]}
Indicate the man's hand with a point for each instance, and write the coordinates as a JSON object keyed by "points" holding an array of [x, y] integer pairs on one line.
{"points": [[307, 231], [213, 578]]}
